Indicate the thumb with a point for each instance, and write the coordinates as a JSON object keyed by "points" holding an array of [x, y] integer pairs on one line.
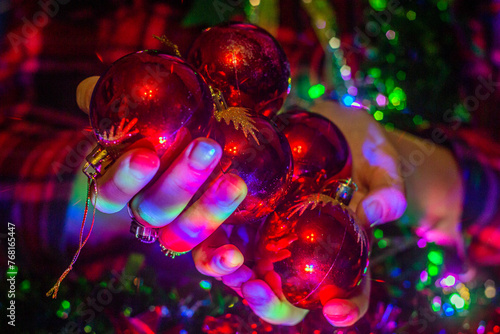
{"points": [[84, 93], [346, 312], [385, 200]]}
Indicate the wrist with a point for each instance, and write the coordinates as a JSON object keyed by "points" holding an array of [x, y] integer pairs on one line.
{"points": [[434, 188]]}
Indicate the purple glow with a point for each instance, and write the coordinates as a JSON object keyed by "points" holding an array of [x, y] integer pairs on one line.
{"points": [[352, 90], [381, 100], [422, 243], [424, 276]]}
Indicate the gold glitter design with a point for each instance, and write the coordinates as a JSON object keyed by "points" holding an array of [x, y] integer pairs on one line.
{"points": [[240, 118], [121, 131], [313, 200]]}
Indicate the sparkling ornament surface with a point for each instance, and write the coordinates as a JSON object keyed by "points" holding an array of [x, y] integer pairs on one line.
{"points": [[246, 64], [259, 154], [149, 95], [319, 148], [317, 248]]}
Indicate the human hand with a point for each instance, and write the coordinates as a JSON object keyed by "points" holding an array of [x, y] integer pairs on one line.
{"points": [[380, 199], [160, 189]]}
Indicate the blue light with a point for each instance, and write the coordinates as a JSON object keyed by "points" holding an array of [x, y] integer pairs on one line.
{"points": [[448, 309], [396, 272], [205, 285], [347, 100]]}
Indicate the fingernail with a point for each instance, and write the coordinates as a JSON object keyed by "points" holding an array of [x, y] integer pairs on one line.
{"points": [[142, 165], [373, 211], [202, 155], [340, 313], [230, 259], [230, 190]]}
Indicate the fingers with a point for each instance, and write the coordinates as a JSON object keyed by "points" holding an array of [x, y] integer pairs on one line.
{"points": [[264, 302], [215, 257], [128, 175], [203, 217], [236, 279], [164, 200], [385, 197], [346, 312], [84, 93]]}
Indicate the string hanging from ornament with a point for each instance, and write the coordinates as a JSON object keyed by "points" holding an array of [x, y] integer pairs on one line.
{"points": [[91, 182]]}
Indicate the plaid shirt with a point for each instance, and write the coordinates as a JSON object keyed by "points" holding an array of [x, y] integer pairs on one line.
{"points": [[43, 135]]}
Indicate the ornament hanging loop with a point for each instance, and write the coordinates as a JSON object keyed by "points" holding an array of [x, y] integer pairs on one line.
{"points": [[164, 40], [219, 101]]}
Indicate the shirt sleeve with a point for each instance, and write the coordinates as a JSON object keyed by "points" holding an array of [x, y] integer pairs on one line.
{"points": [[40, 156], [479, 160]]}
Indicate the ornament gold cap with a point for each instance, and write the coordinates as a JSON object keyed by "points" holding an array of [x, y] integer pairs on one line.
{"points": [[97, 163]]}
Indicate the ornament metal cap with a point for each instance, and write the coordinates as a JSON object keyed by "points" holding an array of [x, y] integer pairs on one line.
{"points": [[144, 234], [341, 190], [97, 162]]}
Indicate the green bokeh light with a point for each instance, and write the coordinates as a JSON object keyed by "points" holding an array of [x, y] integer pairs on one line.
{"points": [[397, 97], [401, 75], [25, 285], [65, 304], [418, 120], [205, 285], [374, 72], [127, 312], [316, 91], [378, 4], [378, 115], [411, 15], [435, 257], [433, 270], [442, 5]]}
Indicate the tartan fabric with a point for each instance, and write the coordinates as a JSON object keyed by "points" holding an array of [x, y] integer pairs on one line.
{"points": [[38, 162], [42, 131], [44, 137]]}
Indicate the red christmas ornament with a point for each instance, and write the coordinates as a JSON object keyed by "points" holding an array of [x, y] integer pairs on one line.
{"points": [[319, 148], [150, 99], [317, 247], [149, 95], [258, 153], [246, 64]]}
